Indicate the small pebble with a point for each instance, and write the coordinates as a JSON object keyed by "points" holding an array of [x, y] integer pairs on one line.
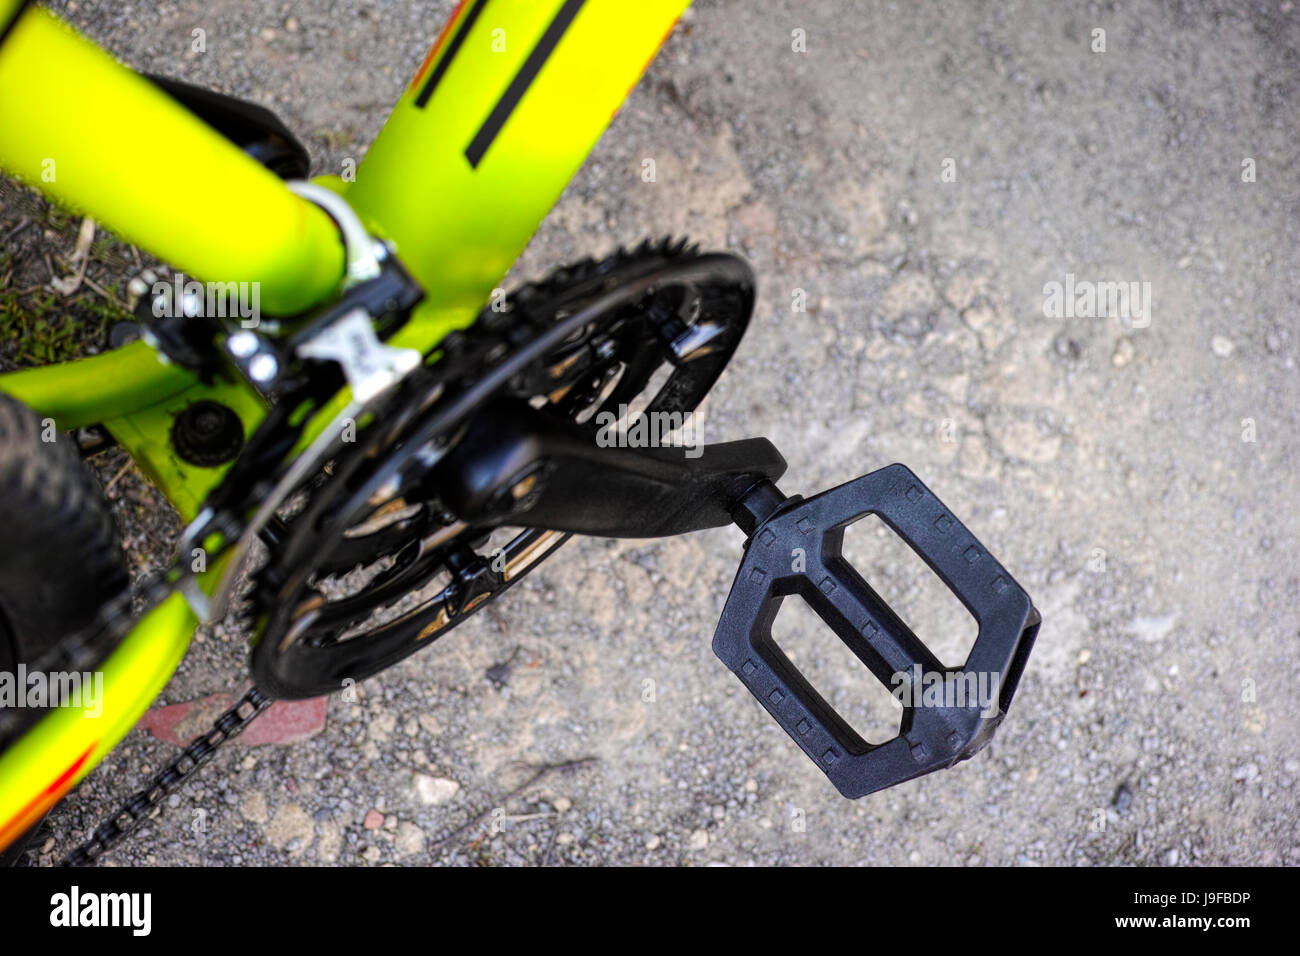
{"points": [[434, 791], [1124, 352], [1123, 799]]}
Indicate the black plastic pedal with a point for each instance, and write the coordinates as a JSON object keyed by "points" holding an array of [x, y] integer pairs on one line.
{"points": [[932, 735]]}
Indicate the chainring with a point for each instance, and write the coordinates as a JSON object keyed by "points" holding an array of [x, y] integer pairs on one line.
{"points": [[373, 567]]}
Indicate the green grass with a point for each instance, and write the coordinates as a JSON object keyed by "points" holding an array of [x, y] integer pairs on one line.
{"points": [[37, 325], [35, 329]]}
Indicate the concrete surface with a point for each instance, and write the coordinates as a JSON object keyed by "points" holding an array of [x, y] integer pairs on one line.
{"points": [[1140, 482]]}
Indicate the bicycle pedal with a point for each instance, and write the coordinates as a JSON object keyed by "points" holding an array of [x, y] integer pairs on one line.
{"points": [[933, 734]]}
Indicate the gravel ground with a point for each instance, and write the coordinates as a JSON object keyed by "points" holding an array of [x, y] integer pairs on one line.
{"points": [[1138, 477]]}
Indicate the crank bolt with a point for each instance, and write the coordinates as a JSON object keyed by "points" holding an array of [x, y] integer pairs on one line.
{"points": [[207, 434]]}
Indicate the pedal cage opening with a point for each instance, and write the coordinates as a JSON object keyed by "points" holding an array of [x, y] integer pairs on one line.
{"points": [[933, 735]]}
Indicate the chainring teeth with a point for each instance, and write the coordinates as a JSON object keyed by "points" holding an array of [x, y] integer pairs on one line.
{"points": [[283, 583]]}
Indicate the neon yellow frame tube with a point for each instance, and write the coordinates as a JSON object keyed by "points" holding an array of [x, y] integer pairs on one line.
{"points": [[101, 139]]}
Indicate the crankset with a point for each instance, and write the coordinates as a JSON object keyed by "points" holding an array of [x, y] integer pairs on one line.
{"points": [[378, 562], [459, 491]]}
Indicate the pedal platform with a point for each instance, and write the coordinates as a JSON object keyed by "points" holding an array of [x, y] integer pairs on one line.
{"points": [[931, 736]]}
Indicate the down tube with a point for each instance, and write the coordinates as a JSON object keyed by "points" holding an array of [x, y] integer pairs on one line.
{"points": [[506, 107]]}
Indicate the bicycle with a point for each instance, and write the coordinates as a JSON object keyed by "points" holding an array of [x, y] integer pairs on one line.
{"points": [[386, 414]]}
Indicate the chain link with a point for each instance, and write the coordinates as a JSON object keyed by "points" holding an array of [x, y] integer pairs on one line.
{"points": [[137, 808]]}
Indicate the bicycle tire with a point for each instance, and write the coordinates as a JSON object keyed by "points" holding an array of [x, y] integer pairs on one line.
{"points": [[62, 558]]}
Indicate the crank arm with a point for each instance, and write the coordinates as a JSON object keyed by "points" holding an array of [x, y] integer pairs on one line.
{"points": [[518, 466]]}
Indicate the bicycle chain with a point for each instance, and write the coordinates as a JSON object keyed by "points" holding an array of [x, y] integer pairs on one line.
{"points": [[140, 805], [492, 334]]}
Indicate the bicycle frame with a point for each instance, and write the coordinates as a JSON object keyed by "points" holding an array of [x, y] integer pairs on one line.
{"points": [[506, 106]]}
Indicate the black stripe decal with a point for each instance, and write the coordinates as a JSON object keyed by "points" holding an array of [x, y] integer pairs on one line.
{"points": [[13, 21], [445, 60], [519, 85]]}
